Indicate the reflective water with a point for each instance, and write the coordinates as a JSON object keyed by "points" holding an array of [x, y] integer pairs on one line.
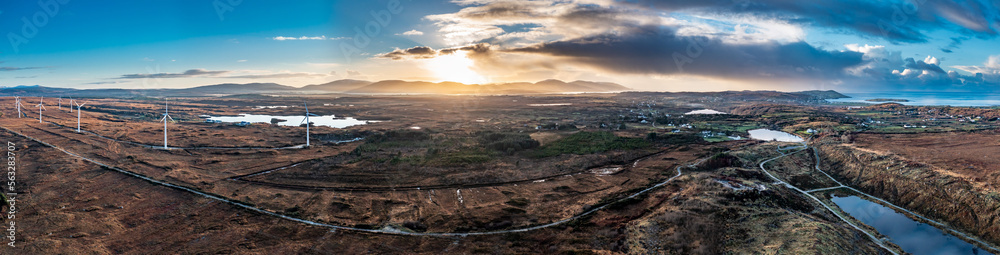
{"points": [[771, 135], [557, 104], [982, 98], [327, 120], [704, 111], [914, 237]]}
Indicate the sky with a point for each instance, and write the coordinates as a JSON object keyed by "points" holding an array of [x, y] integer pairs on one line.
{"points": [[676, 45]]}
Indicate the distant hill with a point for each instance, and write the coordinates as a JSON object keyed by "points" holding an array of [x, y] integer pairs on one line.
{"points": [[546, 86], [340, 86], [823, 94], [232, 88], [337, 86], [33, 89]]}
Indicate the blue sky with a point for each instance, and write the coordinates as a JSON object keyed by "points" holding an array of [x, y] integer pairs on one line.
{"points": [[941, 45]]}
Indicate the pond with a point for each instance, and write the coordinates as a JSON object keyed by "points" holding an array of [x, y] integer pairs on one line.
{"points": [[914, 237], [556, 104], [294, 121], [771, 135], [704, 111]]}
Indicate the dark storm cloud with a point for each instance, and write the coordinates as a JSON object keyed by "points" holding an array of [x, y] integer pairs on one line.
{"points": [[653, 50], [185, 74], [896, 21]]}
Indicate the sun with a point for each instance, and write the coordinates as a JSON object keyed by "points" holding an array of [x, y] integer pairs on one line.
{"points": [[456, 67]]}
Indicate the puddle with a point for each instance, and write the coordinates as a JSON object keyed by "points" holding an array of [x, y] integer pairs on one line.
{"points": [[605, 171]]}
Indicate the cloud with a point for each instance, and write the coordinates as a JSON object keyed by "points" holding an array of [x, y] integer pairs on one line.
{"points": [[953, 45], [277, 76], [11, 68], [623, 38], [418, 52], [707, 39], [424, 52], [929, 64], [304, 38], [657, 50], [147, 59], [887, 68], [896, 20], [353, 73], [185, 74], [988, 72], [241, 61], [411, 33], [104, 82]]}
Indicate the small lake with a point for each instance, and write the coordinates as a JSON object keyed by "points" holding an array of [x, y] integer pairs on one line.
{"points": [[556, 104], [914, 237], [294, 121], [771, 135], [704, 111]]}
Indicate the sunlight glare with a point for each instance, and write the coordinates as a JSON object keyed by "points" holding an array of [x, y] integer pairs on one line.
{"points": [[455, 67]]}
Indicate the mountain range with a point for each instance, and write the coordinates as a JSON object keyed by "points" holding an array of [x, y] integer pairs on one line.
{"points": [[339, 86]]}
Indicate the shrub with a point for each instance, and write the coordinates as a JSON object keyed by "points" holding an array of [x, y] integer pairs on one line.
{"points": [[719, 161], [506, 142], [588, 143], [519, 202], [680, 138]]}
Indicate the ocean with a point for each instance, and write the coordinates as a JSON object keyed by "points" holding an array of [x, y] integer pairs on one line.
{"points": [[927, 98]]}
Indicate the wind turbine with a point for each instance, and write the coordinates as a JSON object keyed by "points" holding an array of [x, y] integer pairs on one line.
{"points": [[79, 110], [166, 117], [306, 120], [60, 103], [41, 107], [19, 105], [71, 103]]}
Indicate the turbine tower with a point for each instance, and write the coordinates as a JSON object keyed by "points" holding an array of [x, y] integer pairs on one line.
{"points": [[306, 120], [166, 117], [71, 103], [79, 110], [60, 103], [41, 107], [19, 105]]}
